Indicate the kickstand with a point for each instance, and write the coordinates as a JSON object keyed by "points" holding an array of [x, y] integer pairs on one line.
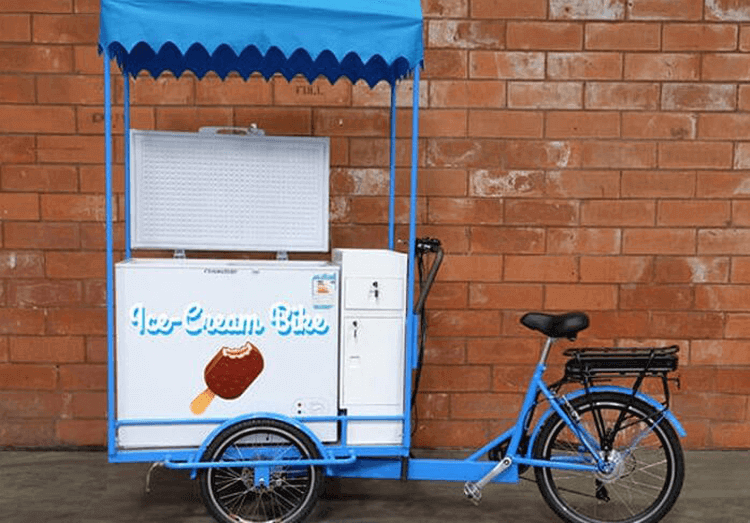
{"points": [[148, 475]]}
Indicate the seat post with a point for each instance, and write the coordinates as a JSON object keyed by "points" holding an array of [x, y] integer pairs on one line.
{"points": [[545, 350]]}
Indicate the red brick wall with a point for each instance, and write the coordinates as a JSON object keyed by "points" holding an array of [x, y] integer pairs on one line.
{"points": [[575, 154]]}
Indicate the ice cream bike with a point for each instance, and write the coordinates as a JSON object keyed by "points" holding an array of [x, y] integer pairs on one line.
{"points": [[262, 376]]}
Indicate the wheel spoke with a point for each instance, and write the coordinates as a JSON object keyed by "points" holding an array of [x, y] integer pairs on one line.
{"points": [[229, 472], [228, 484], [615, 490], [291, 490], [648, 472], [281, 497], [255, 505], [635, 486], [643, 459], [228, 499]]}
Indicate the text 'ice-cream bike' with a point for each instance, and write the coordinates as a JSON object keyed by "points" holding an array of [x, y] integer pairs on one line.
{"points": [[262, 377]]}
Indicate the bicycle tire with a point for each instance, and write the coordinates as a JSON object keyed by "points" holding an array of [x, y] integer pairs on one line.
{"points": [[637, 475], [231, 494]]}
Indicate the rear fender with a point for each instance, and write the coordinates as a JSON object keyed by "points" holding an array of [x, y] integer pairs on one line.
{"points": [[257, 415], [609, 388]]}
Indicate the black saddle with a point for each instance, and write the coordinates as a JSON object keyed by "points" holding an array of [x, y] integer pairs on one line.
{"points": [[556, 325]]}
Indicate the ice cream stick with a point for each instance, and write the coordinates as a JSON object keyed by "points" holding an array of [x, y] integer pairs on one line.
{"points": [[202, 401]]}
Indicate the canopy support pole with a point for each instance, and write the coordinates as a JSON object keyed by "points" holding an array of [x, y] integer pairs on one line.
{"points": [[411, 331], [111, 442], [392, 195], [126, 122]]}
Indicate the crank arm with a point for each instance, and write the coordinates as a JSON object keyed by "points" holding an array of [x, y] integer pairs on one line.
{"points": [[473, 490]]}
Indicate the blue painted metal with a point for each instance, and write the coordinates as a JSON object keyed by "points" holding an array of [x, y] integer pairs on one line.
{"points": [[111, 430], [368, 468], [369, 451], [411, 338], [457, 470], [515, 433], [193, 466], [648, 399], [609, 388], [392, 187], [260, 415], [588, 440], [191, 455], [128, 57], [216, 421], [425, 469], [493, 443], [126, 122], [150, 456], [261, 475], [157, 422], [528, 403], [558, 464]]}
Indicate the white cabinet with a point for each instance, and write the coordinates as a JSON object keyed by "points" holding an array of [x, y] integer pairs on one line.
{"points": [[373, 313], [372, 350]]}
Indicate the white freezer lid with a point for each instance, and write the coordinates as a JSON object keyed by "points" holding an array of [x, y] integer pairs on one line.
{"points": [[197, 263], [208, 191]]}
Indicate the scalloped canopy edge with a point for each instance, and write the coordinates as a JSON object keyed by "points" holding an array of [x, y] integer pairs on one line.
{"points": [[372, 40], [224, 60]]}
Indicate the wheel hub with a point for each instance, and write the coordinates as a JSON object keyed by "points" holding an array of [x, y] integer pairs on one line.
{"points": [[248, 479], [613, 468]]}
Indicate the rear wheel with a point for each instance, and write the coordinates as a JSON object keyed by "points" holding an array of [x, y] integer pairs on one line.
{"points": [[647, 464], [280, 493]]}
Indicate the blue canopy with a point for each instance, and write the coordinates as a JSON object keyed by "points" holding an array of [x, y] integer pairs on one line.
{"points": [[361, 39]]}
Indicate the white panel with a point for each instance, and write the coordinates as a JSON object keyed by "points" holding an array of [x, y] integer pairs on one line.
{"points": [[371, 263], [373, 359], [374, 293], [372, 362], [373, 377], [164, 349], [203, 191]]}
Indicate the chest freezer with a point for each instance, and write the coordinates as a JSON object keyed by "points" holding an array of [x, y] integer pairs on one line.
{"points": [[203, 340]]}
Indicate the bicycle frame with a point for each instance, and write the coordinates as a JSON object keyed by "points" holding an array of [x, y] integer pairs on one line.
{"points": [[347, 461], [474, 467], [536, 386]]}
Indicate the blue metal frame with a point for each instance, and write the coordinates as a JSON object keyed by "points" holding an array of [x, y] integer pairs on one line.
{"points": [[113, 424], [392, 185], [111, 432], [342, 459], [126, 132]]}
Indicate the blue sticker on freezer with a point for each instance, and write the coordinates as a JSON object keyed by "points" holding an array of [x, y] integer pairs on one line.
{"points": [[324, 295], [195, 320]]}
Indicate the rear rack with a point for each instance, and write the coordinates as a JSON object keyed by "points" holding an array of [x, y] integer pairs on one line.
{"points": [[595, 364], [625, 361]]}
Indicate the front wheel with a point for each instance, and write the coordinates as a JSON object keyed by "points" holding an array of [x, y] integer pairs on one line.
{"points": [[647, 464], [278, 493]]}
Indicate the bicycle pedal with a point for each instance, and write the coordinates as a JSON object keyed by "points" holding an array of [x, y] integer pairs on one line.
{"points": [[473, 492]]}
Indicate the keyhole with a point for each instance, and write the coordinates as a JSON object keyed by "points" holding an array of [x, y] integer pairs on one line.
{"points": [[356, 328], [375, 289]]}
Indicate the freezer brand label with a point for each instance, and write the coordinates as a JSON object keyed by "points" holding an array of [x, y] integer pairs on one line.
{"points": [[282, 318], [324, 293]]}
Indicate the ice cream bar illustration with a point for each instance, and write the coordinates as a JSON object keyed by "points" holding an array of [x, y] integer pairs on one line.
{"points": [[229, 374]]}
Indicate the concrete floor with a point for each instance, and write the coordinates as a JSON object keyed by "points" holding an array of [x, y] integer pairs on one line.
{"points": [[81, 487]]}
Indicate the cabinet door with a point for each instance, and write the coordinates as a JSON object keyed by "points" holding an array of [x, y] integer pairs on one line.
{"points": [[373, 366], [374, 293]]}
